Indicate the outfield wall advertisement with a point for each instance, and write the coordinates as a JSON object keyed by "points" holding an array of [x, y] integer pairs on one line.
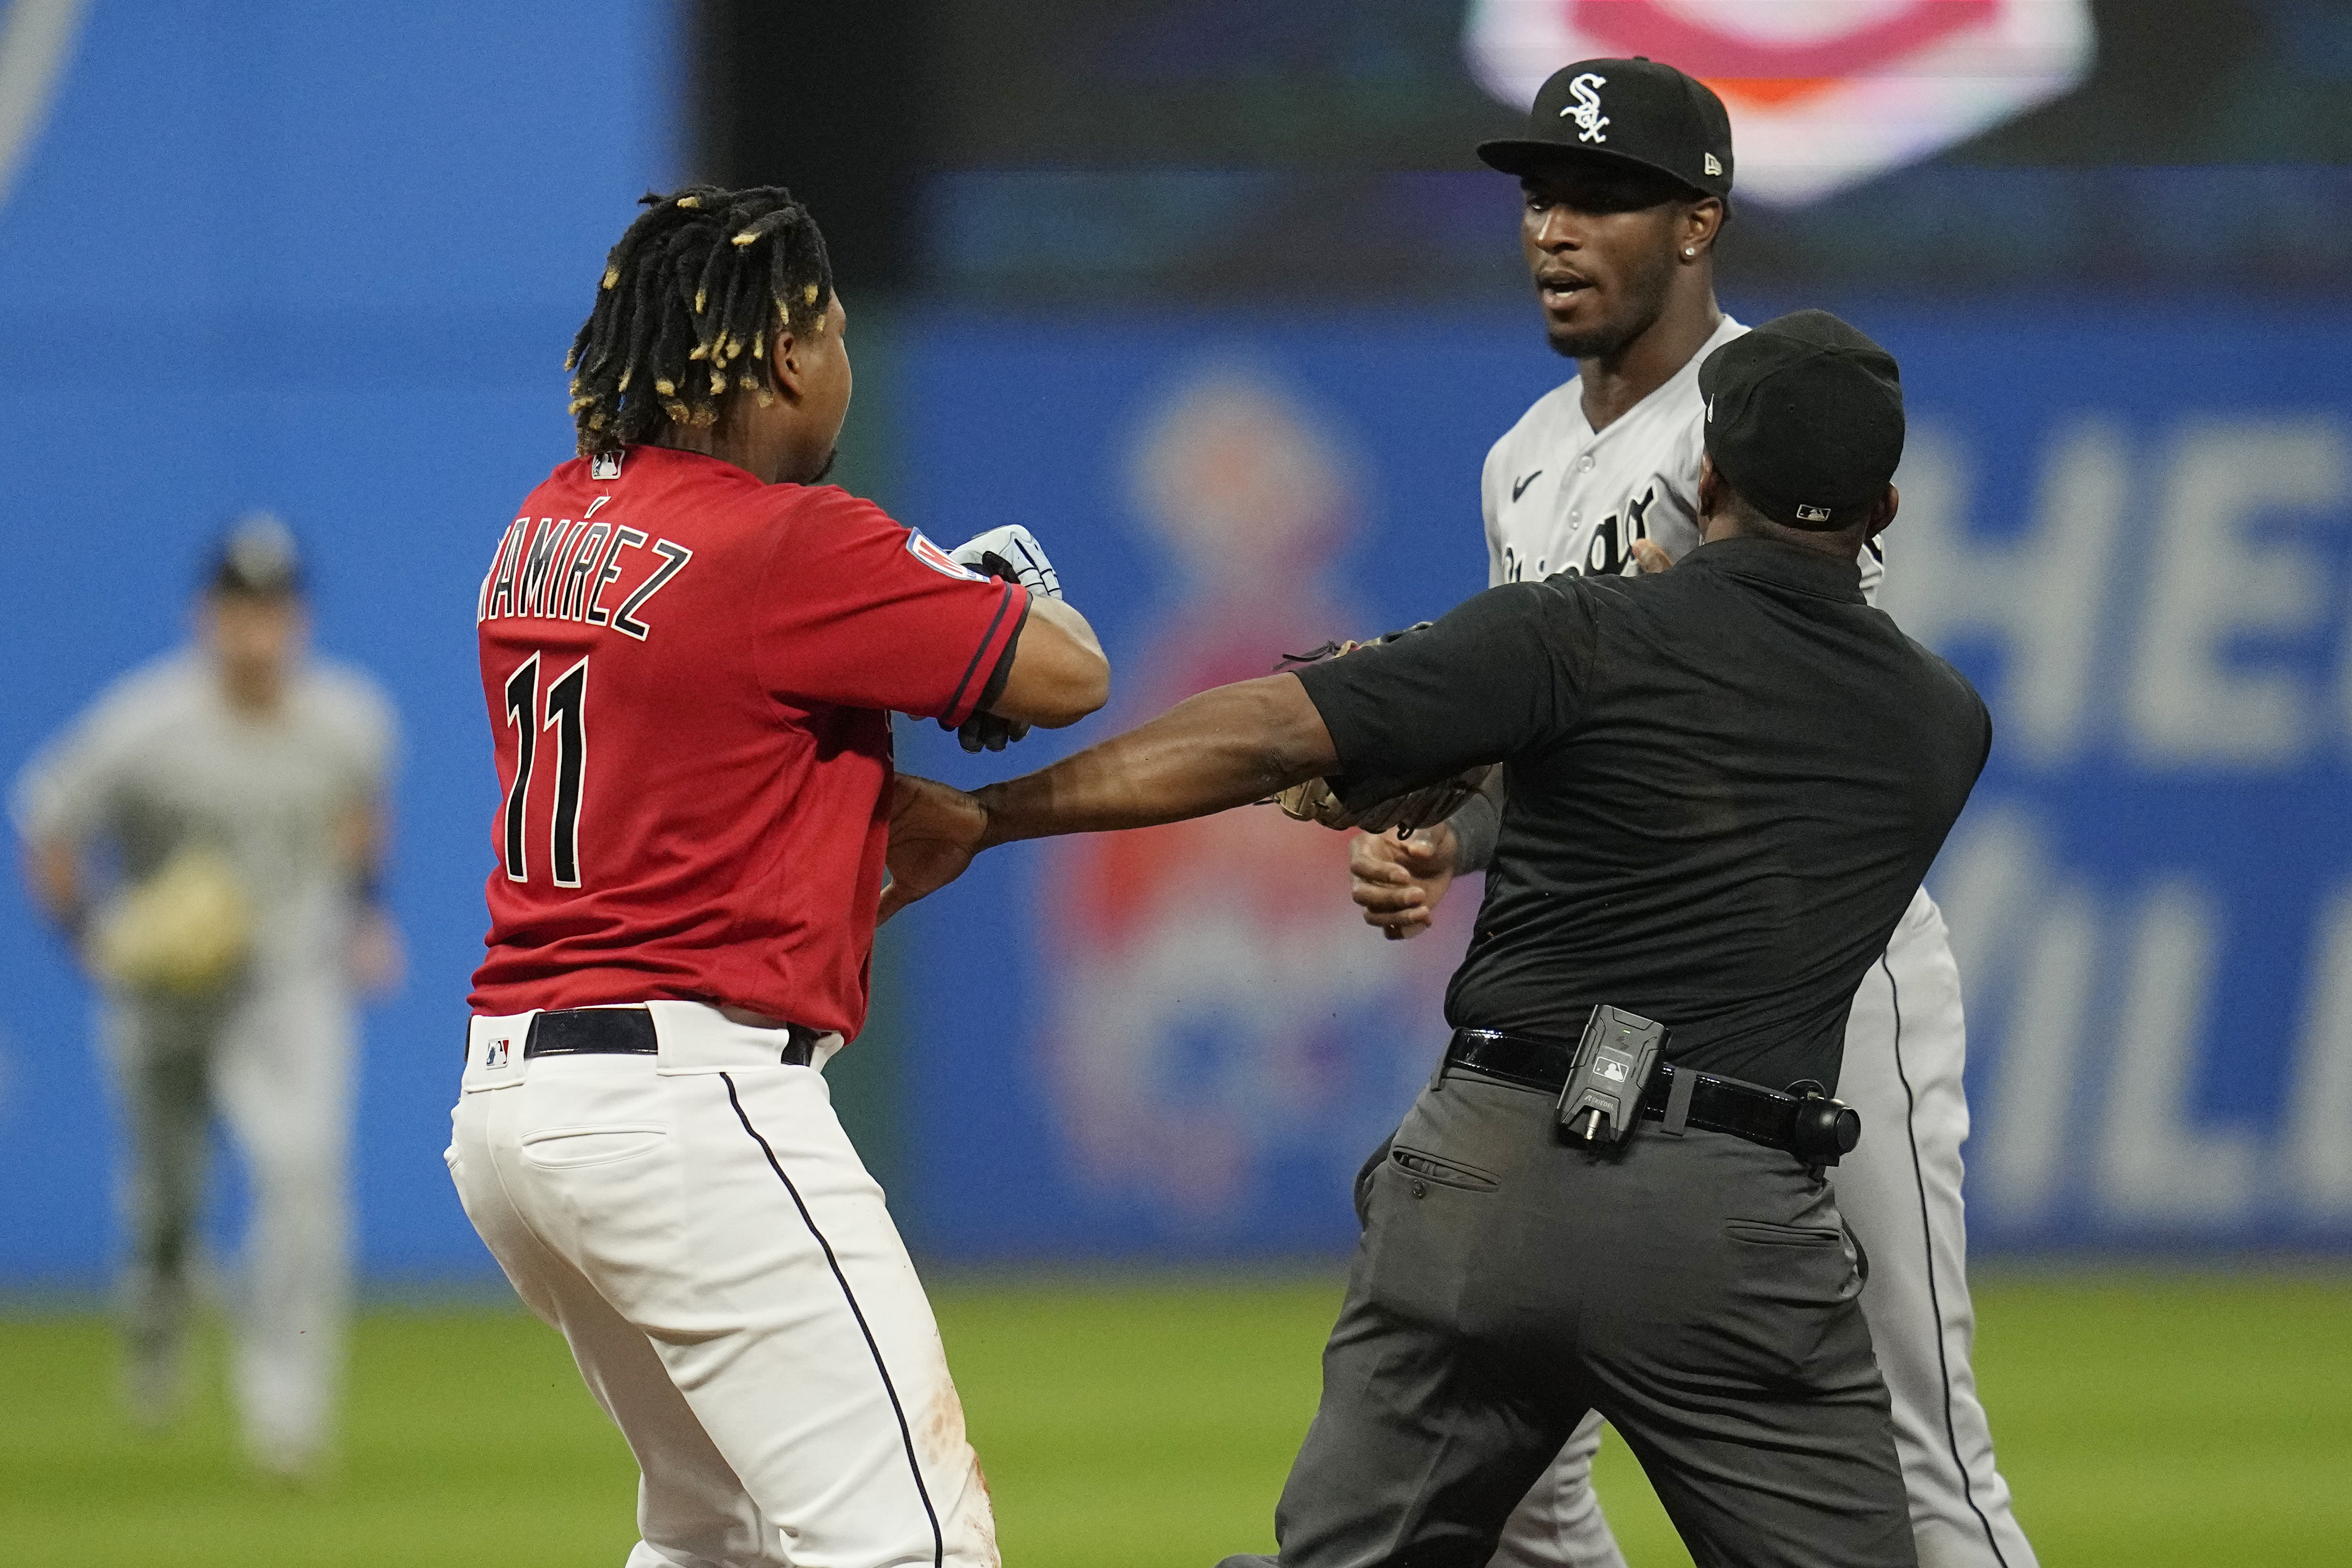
{"points": [[269, 255], [2129, 529], [2133, 535]]}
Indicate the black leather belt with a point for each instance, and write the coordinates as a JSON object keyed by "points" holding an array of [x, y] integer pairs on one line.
{"points": [[629, 1032], [1677, 1096]]}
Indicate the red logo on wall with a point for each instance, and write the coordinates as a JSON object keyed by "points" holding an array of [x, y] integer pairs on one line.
{"points": [[1823, 94]]}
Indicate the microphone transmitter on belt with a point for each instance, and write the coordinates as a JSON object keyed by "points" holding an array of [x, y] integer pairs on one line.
{"points": [[1602, 1097]]}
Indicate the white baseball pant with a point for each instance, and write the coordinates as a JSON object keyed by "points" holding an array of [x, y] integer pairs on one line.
{"points": [[273, 1058], [698, 1225], [1905, 1044]]}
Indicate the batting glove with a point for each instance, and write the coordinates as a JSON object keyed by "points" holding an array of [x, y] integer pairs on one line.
{"points": [[1012, 553]]}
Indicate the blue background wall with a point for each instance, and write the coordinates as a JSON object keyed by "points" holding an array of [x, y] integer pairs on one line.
{"points": [[281, 256], [323, 259], [2128, 524]]}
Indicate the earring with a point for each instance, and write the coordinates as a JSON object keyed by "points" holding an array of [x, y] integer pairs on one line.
{"points": [[1690, 250]]}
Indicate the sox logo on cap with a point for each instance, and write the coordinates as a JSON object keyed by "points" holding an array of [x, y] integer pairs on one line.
{"points": [[1586, 111]]}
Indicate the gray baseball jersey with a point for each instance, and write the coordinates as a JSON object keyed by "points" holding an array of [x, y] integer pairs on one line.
{"points": [[161, 760], [1559, 496]]}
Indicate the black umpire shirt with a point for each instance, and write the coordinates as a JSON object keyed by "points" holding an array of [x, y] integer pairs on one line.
{"points": [[1725, 782]]}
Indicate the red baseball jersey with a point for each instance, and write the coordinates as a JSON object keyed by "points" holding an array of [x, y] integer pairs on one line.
{"points": [[690, 677]]}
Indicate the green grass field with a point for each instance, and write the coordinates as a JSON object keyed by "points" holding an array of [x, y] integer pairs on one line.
{"points": [[2144, 1420]]}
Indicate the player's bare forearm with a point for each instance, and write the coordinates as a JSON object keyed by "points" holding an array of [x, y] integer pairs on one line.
{"points": [[1059, 674], [1227, 747], [1065, 617]]}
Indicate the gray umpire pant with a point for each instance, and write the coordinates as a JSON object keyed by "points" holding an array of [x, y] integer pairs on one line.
{"points": [[1699, 1291]]}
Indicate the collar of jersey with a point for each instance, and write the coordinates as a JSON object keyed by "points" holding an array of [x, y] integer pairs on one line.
{"points": [[1780, 565]]}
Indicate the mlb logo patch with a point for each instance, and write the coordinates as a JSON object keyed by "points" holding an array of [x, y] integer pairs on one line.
{"points": [[604, 465], [494, 1053], [1813, 514], [938, 560]]}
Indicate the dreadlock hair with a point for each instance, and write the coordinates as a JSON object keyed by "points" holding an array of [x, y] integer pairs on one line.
{"points": [[690, 298]]}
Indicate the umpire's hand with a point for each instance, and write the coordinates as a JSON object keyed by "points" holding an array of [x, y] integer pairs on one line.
{"points": [[1398, 881], [935, 830]]}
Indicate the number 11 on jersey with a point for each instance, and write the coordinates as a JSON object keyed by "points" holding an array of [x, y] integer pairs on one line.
{"points": [[567, 715]]}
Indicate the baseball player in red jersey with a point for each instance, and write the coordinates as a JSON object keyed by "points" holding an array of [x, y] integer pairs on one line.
{"points": [[690, 653]]}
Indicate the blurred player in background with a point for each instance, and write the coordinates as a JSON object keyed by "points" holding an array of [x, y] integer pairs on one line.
{"points": [[208, 834], [1626, 170]]}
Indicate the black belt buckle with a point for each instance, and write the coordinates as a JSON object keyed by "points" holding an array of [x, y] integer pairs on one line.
{"points": [[1602, 1097]]}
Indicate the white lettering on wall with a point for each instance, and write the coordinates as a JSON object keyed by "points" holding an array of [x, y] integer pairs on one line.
{"points": [[2042, 590], [2159, 1161], [2174, 594], [2019, 941], [2033, 1112], [2317, 1168], [2216, 578]]}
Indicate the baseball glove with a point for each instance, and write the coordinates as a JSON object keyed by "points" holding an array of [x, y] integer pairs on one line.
{"points": [[183, 931], [1406, 813]]}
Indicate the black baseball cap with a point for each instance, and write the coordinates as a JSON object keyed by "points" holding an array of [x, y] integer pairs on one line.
{"points": [[1633, 112], [256, 558], [1804, 418]]}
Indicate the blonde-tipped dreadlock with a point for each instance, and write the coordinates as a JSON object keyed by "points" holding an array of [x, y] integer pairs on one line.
{"points": [[686, 310]]}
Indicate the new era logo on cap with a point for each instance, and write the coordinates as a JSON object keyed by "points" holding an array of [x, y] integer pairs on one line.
{"points": [[1713, 167]]}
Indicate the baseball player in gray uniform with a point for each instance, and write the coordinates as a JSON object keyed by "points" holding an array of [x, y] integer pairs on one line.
{"points": [[1626, 169], [232, 794]]}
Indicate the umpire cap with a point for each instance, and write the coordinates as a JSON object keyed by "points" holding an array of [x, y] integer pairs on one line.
{"points": [[1804, 418], [1633, 112]]}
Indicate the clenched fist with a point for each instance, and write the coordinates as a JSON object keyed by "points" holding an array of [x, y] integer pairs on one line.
{"points": [[1399, 881]]}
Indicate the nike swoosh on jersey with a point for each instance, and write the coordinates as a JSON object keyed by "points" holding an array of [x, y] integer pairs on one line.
{"points": [[1519, 486]]}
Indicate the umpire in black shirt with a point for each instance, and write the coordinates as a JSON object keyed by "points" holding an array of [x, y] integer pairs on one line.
{"points": [[1725, 782]]}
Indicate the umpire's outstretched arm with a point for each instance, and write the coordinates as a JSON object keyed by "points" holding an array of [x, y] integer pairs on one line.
{"points": [[1228, 746]]}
